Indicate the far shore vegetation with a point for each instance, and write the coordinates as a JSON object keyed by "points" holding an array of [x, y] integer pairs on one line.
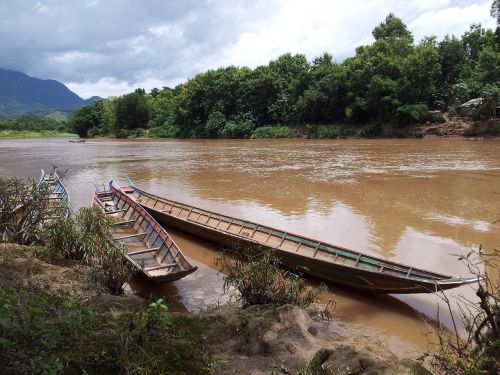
{"points": [[385, 89], [34, 127], [393, 83]]}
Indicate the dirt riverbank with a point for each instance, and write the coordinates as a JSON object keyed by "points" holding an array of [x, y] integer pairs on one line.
{"points": [[254, 340], [451, 128]]}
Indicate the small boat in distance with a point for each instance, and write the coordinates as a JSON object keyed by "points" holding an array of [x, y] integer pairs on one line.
{"points": [[319, 259], [57, 195], [148, 246], [77, 140]]}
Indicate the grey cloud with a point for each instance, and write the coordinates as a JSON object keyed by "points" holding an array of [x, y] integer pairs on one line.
{"points": [[129, 41]]}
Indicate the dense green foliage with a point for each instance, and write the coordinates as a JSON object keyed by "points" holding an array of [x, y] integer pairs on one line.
{"points": [[393, 80], [29, 124]]}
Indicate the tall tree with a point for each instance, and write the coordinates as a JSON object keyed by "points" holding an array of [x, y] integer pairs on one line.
{"points": [[495, 11], [85, 119], [393, 28], [132, 111]]}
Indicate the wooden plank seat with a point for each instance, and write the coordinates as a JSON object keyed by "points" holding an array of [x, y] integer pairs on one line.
{"points": [[131, 236], [163, 266], [137, 252], [115, 212], [125, 222]]}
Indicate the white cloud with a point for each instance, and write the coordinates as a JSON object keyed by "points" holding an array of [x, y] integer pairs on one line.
{"points": [[41, 8], [109, 86], [104, 87], [452, 20]]}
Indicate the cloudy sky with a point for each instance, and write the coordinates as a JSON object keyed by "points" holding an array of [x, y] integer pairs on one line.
{"points": [[110, 47]]}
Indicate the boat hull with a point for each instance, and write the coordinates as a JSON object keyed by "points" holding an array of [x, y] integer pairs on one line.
{"points": [[57, 195], [319, 266], [148, 247]]}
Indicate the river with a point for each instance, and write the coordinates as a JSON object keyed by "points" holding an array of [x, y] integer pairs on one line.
{"points": [[420, 202]]}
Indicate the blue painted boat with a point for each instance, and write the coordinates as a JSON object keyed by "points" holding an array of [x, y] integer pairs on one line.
{"points": [[57, 194]]}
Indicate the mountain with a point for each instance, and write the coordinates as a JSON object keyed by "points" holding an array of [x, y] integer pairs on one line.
{"points": [[22, 94]]}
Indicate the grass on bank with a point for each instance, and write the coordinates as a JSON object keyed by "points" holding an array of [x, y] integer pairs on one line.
{"points": [[35, 134], [44, 332], [46, 328]]}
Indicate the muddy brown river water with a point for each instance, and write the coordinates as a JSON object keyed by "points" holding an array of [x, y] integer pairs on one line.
{"points": [[419, 202]]}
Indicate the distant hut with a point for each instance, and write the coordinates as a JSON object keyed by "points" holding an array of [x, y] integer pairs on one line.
{"points": [[478, 107], [465, 109]]}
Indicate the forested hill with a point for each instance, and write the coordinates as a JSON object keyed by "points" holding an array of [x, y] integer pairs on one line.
{"points": [[395, 80], [21, 94]]}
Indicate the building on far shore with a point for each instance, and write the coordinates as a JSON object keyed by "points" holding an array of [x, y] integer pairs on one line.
{"points": [[479, 107]]}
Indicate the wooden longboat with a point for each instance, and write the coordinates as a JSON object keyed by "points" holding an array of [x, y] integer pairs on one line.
{"points": [[148, 246], [319, 259], [57, 194]]}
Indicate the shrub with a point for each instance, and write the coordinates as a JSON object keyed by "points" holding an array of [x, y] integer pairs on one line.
{"points": [[122, 133], [258, 277], [324, 131], [239, 127], [215, 124], [94, 132], [164, 132], [61, 237], [23, 209], [411, 114], [87, 237], [477, 350], [150, 342], [110, 266], [368, 131], [137, 133], [275, 132]]}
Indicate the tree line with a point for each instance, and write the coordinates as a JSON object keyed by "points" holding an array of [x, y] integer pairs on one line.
{"points": [[393, 80]]}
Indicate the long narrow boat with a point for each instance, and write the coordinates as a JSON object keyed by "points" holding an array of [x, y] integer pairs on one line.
{"points": [[148, 246], [57, 194], [319, 259]]}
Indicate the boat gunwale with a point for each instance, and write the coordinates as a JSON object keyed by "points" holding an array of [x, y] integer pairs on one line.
{"points": [[429, 275]]}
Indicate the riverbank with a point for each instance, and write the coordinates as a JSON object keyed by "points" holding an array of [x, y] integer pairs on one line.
{"points": [[35, 134], [457, 127], [54, 318], [450, 128]]}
